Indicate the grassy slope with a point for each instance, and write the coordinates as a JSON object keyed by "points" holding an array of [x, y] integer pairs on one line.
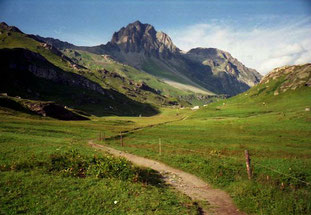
{"points": [[211, 143], [26, 139], [98, 62]]}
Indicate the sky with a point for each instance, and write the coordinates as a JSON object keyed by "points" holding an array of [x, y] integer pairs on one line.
{"points": [[262, 34]]}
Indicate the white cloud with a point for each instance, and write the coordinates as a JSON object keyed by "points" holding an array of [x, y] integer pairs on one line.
{"points": [[261, 48]]}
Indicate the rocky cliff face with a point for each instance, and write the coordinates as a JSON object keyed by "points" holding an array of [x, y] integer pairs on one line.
{"points": [[138, 37]]}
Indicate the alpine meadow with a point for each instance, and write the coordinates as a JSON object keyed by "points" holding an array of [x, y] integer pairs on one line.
{"points": [[155, 107]]}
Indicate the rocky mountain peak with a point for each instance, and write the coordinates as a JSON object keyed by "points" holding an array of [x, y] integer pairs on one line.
{"points": [[138, 37]]}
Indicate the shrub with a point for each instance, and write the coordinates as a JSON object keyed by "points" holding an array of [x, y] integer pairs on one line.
{"points": [[74, 164]]}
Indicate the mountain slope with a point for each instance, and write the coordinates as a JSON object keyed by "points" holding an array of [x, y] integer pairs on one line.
{"points": [[222, 62]]}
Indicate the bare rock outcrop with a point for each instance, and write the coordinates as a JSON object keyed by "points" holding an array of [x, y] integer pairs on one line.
{"points": [[290, 77]]}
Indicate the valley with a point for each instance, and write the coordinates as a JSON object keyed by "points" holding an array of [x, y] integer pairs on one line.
{"points": [[136, 94]]}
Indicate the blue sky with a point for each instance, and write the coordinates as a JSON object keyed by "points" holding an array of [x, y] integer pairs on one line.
{"points": [[262, 34]]}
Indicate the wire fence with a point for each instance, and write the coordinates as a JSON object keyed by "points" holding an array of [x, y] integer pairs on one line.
{"points": [[156, 149]]}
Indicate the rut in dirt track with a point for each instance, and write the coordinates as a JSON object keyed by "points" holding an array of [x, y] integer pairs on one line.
{"points": [[219, 201]]}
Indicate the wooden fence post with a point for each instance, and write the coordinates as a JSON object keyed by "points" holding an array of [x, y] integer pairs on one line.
{"points": [[248, 165], [160, 147], [104, 137], [100, 136], [121, 139]]}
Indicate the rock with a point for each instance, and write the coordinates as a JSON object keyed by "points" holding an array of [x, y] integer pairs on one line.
{"points": [[294, 77], [144, 86], [303, 75], [307, 109], [138, 37]]}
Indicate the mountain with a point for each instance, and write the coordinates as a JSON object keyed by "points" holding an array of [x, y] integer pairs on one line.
{"points": [[220, 61], [138, 37], [141, 46]]}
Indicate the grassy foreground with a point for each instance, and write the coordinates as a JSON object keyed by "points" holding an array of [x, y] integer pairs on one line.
{"points": [[211, 143], [46, 167]]}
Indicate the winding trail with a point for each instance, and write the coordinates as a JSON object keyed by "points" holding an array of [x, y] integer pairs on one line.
{"points": [[219, 201]]}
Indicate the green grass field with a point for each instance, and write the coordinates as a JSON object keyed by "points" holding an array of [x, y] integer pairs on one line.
{"points": [[33, 182]]}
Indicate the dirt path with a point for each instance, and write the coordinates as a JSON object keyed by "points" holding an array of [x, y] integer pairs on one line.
{"points": [[219, 201]]}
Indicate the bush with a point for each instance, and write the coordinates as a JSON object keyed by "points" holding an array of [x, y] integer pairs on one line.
{"points": [[109, 167], [73, 164]]}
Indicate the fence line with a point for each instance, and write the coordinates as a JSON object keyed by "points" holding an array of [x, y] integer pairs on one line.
{"points": [[271, 169], [281, 173], [223, 156]]}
